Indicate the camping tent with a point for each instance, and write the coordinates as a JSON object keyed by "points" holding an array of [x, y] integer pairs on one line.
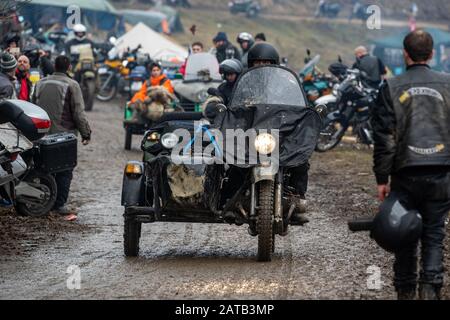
{"points": [[390, 50], [156, 45], [96, 14]]}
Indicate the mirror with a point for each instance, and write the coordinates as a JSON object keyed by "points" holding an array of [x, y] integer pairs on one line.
{"points": [[322, 110]]}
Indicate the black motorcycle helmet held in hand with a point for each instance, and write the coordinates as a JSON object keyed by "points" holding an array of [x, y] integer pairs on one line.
{"points": [[263, 53], [395, 227]]}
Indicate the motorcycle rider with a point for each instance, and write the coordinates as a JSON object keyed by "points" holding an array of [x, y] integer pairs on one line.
{"points": [[12, 43], [223, 49], [260, 37], [158, 78], [246, 41], [39, 59], [411, 158], [373, 67], [72, 47], [61, 97], [265, 54], [230, 70], [8, 65]]}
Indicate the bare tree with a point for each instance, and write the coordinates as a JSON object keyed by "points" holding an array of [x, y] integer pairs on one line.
{"points": [[8, 7]]}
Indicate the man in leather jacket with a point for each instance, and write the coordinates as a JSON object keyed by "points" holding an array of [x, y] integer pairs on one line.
{"points": [[412, 158]]}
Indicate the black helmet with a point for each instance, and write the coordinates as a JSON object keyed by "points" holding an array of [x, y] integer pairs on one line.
{"points": [[231, 66], [11, 37], [394, 228], [263, 51]]}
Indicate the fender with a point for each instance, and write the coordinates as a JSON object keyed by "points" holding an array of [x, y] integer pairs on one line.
{"points": [[325, 100], [133, 187], [264, 173]]}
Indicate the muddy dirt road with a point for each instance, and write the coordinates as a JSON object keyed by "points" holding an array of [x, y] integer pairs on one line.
{"points": [[192, 261]]}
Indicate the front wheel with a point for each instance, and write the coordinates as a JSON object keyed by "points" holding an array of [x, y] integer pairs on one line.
{"points": [[108, 90], [88, 94], [27, 206], [330, 136], [131, 237], [264, 225]]}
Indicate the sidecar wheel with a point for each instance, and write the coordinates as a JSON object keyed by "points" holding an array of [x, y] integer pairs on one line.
{"points": [[131, 237], [265, 221]]}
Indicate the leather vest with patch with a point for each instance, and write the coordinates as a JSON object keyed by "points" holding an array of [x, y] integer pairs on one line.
{"points": [[421, 100]]}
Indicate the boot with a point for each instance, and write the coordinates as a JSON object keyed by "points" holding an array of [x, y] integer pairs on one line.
{"points": [[429, 292], [406, 294], [298, 204]]}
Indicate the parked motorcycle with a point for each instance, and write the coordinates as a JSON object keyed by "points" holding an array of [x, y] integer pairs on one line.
{"points": [[115, 75], [328, 10], [360, 12], [354, 102], [207, 181], [315, 83], [23, 181], [251, 8]]}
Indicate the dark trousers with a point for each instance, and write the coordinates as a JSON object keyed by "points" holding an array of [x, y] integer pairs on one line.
{"points": [[430, 195], [63, 181], [299, 179]]}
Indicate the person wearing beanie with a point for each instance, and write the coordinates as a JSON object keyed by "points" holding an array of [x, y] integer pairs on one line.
{"points": [[8, 65], [260, 37], [223, 49]]}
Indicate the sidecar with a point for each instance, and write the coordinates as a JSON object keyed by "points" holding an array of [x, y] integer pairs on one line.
{"points": [[191, 173]]}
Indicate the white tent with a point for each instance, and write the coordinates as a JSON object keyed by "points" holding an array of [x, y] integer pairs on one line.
{"points": [[153, 43]]}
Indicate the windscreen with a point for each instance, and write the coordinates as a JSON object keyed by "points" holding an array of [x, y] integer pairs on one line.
{"points": [[268, 86]]}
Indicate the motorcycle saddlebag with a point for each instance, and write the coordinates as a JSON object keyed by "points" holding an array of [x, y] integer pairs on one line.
{"points": [[57, 153]]}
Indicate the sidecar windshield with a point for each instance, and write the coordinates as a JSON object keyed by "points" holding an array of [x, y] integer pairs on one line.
{"points": [[202, 67], [268, 85]]}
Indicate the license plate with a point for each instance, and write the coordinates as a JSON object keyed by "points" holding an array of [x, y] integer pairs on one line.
{"points": [[102, 71], [136, 86]]}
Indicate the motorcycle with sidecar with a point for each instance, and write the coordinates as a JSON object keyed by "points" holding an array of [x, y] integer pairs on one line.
{"points": [[232, 167]]}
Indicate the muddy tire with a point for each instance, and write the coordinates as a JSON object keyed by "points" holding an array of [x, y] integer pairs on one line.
{"points": [[46, 183], [128, 139], [264, 224], [89, 94], [131, 237]]}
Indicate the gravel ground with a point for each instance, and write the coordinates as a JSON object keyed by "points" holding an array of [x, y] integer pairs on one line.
{"points": [[322, 260]]}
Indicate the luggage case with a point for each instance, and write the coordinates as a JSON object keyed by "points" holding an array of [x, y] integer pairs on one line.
{"points": [[58, 152]]}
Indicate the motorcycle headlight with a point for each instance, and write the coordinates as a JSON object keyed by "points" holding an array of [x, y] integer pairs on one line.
{"points": [[202, 96], [336, 90], [169, 140], [265, 143], [125, 63]]}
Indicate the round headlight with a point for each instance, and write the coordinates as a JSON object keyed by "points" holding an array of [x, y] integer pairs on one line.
{"points": [[202, 96], [265, 143], [169, 140]]}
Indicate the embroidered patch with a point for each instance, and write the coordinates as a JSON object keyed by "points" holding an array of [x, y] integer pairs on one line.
{"points": [[425, 152], [405, 96], [421, 91]]}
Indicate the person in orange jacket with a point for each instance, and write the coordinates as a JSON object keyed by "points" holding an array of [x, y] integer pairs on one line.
{"points": [[158, 78]]}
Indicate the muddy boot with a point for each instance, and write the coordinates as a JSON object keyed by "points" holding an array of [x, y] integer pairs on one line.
{"points": [[429, 292], [298, 205], [406, 294]]}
